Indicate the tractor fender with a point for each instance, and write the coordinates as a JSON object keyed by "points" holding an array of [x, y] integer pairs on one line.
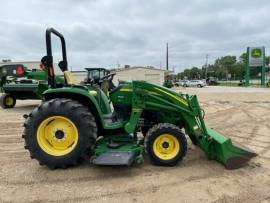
{"points": [[79, 94]]}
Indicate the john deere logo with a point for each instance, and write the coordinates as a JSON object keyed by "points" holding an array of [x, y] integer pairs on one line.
{"points": [[256, 53]]}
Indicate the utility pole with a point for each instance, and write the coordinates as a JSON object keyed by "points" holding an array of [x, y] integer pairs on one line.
{"points": [[167, 56], [206, 65]]}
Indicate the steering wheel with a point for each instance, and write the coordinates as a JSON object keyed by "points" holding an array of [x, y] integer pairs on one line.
{"points": [[107, 81], [108, 77], [99, 81]]}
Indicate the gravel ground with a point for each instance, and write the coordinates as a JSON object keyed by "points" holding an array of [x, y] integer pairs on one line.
{"points": [[239, 113]]}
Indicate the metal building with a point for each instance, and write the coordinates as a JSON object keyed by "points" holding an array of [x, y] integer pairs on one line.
{"points": [[152, 75]]}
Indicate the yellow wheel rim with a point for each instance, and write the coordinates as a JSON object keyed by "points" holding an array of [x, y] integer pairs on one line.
{"points": [[166, 146], [57, 135], [9, 101]]}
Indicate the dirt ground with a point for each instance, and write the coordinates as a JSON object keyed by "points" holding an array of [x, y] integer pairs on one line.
{"points": [[240, 113]]}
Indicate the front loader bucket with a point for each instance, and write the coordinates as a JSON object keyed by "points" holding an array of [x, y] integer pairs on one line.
{"points": [[222, 149]]}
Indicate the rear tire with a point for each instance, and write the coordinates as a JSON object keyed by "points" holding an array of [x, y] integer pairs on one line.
{"points": [[59, 133], [7, 101], [165, 144]]}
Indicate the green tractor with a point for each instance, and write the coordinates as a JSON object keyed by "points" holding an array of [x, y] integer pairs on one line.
{"points": [[168, 81], [95, 74], [78, 121], [18, 82], [93, 77]]}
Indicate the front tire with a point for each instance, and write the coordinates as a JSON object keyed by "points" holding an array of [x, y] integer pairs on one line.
{"points": [[165, 144], [144, 130], [7, 101], [59, 133]]}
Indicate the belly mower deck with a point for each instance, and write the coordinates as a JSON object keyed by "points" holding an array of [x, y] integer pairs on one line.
{"points": [[118, 150], [122, 158]]}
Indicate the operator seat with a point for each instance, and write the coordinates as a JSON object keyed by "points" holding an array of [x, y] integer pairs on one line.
{"points": [[105, 87], [111, 85], [69, 77]]}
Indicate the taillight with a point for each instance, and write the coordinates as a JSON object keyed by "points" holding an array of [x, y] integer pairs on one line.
{"points": [[42, 67], [19, 70]]}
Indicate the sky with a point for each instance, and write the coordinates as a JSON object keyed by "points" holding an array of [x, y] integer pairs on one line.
{"points": [[105, 33]]}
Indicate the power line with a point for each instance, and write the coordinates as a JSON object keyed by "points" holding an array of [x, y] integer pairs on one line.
{"points": [[206, 65], [167, 56]]}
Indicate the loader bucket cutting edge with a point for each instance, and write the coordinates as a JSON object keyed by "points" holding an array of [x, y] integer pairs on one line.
{"points": [[233, 156]]}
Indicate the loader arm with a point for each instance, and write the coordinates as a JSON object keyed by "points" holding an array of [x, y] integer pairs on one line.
{"points": [[186, 110]]}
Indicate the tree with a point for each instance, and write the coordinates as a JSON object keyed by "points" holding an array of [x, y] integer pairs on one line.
{"points": [[221, 68], [243, 58]]}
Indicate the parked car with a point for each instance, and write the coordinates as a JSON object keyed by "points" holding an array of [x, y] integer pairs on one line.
{"points": [[194, 83], [212, 81], [178, 83], [184, 83], [243, 82]]}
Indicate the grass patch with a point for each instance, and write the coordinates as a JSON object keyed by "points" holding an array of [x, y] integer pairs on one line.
{"points": [[236, 84], [229, 84]]}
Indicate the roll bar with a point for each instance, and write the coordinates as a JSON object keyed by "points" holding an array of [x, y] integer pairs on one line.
{"points": [[47, 60]]}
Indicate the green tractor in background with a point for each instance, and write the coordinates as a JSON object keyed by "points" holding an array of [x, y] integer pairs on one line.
{"points": [[77, 121], [18, 82], [168, 81], [94, 75]]}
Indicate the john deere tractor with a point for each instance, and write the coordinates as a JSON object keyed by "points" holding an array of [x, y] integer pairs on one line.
{"points": [[94, 74], [18, 82], [78, 121]]}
